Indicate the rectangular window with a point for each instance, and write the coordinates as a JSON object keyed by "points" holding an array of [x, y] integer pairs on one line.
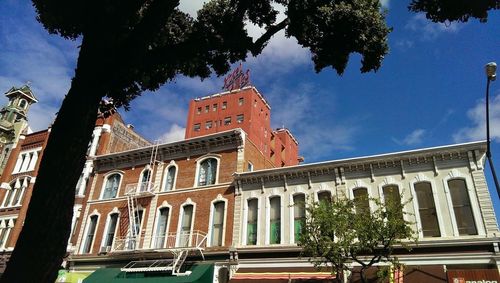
{"points": [[224, 105], [252, 222], [196, 127], [90, 234], [207, 108], [462, 207], [241, 101], [208, 125], [214, 107], [227, 121], [26, 162], [218, 224], [161, 228], [427, 210], [239, 118], [275, 221], [198, 111]]}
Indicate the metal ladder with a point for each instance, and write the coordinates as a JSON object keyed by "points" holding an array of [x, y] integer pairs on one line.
{"points": [[132, 204], [152, 164]]}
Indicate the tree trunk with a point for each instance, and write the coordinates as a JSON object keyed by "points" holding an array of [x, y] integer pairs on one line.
{"points": [[362, 275], [41, 246]]}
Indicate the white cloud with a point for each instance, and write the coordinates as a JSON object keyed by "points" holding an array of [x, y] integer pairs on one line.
{"points": [[477, 117], [429, 30], [413, 138], [28, 53], [385, 3], [175, 133]]}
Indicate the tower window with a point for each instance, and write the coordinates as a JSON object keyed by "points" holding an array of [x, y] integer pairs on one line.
{"points": [[198, 111], [239, 118], [214, 107], [224, 105], [207, 108], [227, 121], [241, 100], [196, 127], [23, 103]]}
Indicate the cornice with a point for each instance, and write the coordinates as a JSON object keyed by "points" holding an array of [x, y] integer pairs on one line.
{"points": [[167, 151], [400, 160]]}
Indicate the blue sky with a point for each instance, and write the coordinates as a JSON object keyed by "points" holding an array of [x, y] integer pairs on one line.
{"points": [[429, 91]]}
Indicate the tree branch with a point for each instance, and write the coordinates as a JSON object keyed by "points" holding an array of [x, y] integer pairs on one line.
{"points": [[261, 42]]}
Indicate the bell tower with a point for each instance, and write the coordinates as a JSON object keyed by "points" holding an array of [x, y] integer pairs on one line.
{"points": [[14, 119]]}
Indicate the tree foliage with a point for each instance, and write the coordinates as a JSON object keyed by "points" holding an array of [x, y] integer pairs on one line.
{"points": [[339, 235], [454, 10]]}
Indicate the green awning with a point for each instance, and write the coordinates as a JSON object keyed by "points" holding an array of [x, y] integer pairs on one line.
{"points": [[200, 273]]}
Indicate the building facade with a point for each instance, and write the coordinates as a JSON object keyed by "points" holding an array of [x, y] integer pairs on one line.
{"points": [[449, 203]]}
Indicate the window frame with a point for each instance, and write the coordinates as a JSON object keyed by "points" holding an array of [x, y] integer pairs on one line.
{"points": [[140, 181], [181, 218], [172, 164], [105, 181], [388, 183], [85, 234], [104, 239], [199, 161], [435, 195], [245, 221], [219, 199], [473, 202], [164, 205], [268, 220], [293, 240]]}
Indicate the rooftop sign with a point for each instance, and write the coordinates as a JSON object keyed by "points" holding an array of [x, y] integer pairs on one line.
{"points": [[237, 79]]}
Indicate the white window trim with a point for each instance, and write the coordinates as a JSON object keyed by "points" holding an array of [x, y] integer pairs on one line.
{"points": [[105, 181], [150, 181], [13, 191], [157, 218], [199, 161], [21, 165], [362, 185], [85, 234], [181, 216], [291, 213], [105, 231], [268, 219], [418, 220], [454, 174], [165, 176], [8, 220], [138, 239], [404, 198], [211, 220], [245, 220]]}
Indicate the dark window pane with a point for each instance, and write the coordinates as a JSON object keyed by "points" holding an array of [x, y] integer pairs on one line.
{"points": [[462, 207], [252, 222], [324, 196], [361, 201], [275, 221], [427, 210], [218, 223], [299, 214]]}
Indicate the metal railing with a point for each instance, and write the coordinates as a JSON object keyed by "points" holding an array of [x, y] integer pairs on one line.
{"points": [[183, 240]]}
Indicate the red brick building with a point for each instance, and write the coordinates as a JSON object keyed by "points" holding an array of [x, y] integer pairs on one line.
{"points": [[247, 109]]}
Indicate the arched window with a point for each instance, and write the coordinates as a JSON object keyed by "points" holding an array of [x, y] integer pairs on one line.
{"points": [[207, 172], [299, 215], [275, 220], [361, 201], [161, 227], [186, 225], [23, 103], [110, 231], [252, 218], [462, 207], [325, 196], [111, 187], [145, 179], [170, 178], [427, 210], [392, 197], [217, 223], [89, 238]]}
